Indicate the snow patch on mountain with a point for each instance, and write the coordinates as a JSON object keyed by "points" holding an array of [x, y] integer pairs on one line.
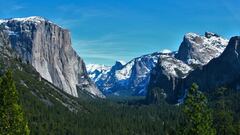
{"points": [[199, 50], [36, 19], [132, 78], [174, 67], [3, 21], [125, 72], [96, 71]]}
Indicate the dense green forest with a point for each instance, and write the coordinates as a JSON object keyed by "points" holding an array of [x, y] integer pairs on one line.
{"points": [[49, 111]]}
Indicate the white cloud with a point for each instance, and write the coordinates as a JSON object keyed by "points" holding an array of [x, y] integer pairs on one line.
{"points": [[166, 51]]}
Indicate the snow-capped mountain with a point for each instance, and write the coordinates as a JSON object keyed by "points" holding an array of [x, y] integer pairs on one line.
{"points": [[165, 67], [96, 71], [199, 50], [223, 70], [196, 51], [133, 77], [36, 19], [124, 78], [47, 47]]}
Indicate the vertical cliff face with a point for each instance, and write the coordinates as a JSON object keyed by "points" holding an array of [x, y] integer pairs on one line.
{"points": [[165, 76], [4, 43], [47, 47], [221, 71], [194, 52]]}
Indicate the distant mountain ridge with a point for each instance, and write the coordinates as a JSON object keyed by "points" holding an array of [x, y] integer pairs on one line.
{"points": [[47, 47], [133, 77], [126, 79]]}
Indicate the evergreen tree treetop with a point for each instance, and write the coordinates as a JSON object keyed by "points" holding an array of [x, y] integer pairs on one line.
{"points": [[12, 121], [198, 116]]}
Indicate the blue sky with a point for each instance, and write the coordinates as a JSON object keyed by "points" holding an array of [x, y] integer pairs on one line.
{"points": [[107, 30]]}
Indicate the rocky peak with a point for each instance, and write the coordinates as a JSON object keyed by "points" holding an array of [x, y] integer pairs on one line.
{"points": [[127, 79], [47, 47], [194, 60], [193, 38], [199, 50], [234, 46], [118, 65], [221, 71], [31, 19], [210, 34]]}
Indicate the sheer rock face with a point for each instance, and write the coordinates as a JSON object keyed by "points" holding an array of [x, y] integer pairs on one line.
{"points": [[165, 77], [47, 47], [4, 43], [194, 52], [221, 71]]}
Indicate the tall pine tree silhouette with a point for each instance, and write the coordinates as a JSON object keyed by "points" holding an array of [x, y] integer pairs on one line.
{"points": [[12, 121], [198, 116]]}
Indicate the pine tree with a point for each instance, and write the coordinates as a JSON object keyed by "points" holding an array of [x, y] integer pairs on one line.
{"points": [[223, 119], [198, 119], [11, 115]]}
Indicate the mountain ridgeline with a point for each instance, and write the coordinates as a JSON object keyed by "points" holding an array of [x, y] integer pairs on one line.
{"points": [[124, 79], [221, 71], [47, 47], [59, 98], [159, 73], [51, 111]]}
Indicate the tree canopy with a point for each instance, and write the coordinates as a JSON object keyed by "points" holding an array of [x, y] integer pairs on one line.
{"points": [[12, 120]]}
